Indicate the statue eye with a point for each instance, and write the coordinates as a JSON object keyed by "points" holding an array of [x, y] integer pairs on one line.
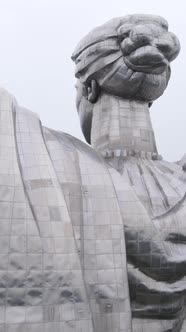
{"points": [[124, 35], [124, 31], [164, 48], [164, 45]]}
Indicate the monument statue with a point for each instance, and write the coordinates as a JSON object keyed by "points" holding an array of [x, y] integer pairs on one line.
{"points": [[93, 238]]}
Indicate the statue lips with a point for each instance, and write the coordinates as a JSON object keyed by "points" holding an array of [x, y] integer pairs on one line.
{"points": [[147, 59]]}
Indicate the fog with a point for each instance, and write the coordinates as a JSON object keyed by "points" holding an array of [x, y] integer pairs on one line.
{"points": [[37, 39]]}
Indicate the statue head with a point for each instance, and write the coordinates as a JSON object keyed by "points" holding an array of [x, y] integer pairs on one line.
{"points": [[128, 57]]}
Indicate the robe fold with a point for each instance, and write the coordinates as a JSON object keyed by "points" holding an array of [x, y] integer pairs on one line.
{"points": [[83, 247]]}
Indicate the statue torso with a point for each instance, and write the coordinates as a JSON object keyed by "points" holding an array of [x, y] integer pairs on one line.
{"points": [[66, 218]]}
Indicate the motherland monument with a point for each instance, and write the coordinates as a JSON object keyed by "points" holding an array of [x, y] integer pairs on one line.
{"points": [[93, 238]]}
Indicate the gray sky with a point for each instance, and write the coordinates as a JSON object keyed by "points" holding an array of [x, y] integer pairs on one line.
{"points": [[37, 38]]}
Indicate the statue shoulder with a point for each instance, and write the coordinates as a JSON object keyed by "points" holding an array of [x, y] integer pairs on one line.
{"points": [[6, 98], [8, 102], [70, 142]]}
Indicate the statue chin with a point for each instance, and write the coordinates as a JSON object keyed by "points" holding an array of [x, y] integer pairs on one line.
{"points": [[137, 84]]}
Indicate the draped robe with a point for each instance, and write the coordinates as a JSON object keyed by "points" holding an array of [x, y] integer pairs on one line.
{"points": [[84, 247]]}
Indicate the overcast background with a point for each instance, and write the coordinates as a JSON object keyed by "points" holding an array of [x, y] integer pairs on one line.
{"points": [[37, 38]]}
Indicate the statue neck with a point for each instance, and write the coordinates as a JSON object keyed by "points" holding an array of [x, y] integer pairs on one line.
{"points": [[122, 127]]}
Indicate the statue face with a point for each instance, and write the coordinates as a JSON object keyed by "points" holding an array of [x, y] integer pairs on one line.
{"points": [[128, 57], [147, 50]]}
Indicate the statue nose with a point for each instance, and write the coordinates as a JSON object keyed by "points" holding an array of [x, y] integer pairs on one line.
{"points": [[140, 38], [165, 46]]}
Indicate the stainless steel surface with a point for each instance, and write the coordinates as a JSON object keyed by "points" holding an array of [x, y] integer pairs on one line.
{"points": [[93, 238]]}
